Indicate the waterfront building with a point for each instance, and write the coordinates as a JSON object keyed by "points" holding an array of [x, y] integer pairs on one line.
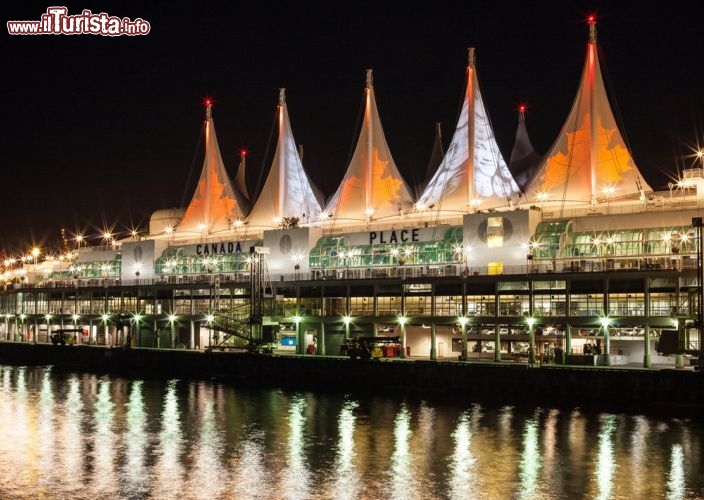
{"points": [[579, 261]]}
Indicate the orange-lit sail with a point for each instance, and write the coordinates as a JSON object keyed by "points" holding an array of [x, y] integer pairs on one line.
{"points": [[215, 206], [589, 162], [372, 187]]}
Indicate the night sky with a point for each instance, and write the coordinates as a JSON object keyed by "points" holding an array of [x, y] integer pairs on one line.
{"points": [[99, 132]]}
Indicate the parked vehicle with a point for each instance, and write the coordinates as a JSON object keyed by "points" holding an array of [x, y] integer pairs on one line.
{"points": [[65, 336]]}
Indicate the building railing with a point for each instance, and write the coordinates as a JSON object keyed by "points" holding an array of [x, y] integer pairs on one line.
{"points": [[581, 265]]}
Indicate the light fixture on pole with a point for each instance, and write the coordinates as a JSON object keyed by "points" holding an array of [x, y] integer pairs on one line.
{"points": [[299, 341], [697, 224], [402, 320], [35, 254], [530, 321], [463, 331], [347, 319], [605, 322]]}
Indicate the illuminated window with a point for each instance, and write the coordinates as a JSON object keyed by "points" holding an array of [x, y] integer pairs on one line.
{"points": [[495, 232]]}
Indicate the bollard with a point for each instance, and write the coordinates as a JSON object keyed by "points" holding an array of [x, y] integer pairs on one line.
{"points": [[679, 361]]}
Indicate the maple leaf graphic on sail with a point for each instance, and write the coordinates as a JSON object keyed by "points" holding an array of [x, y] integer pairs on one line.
{"points": [[219, 207], [385, 187], [567, 172]]}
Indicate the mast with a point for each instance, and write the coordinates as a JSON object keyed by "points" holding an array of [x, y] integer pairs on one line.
{"points": [[470, 127], [208, 176], [278, 210], [593, 153], [370, 142]]}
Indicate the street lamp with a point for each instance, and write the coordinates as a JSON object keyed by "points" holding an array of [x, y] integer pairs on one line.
{"points": [[347, 319], [463, 331], [47, 317], [402, 320], [209, 318], [530, 321], [299, 341], [172, 321], [697, 224], [296, 259], [605, 322], [7, 326], [35, 254], [23, 337]]}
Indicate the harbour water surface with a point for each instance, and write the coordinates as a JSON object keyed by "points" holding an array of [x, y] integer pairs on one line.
{"points": [[82, 436]]}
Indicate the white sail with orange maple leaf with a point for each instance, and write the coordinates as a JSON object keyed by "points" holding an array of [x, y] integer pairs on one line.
{"points": [[372, 188], [589, 162], [215, 205]]}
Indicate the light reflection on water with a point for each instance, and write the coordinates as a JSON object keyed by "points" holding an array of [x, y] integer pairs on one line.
{"points": [[346, 477], [606, 464], [167, 482], [65, 435], [295, 476], [134, 470], [530, 460]]}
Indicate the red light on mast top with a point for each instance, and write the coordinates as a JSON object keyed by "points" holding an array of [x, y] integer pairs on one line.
{"points": [[591, 19], [522, 108], [243, 152], [208, 102]]}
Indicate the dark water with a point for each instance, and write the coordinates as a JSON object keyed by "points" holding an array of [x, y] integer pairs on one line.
{"points": [[76, 435]]}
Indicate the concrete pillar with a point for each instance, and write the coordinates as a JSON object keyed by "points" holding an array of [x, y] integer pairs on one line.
{"points": [[464, 298], [607, 339], [321, 340], [433, 342], [463, 331], [348, 301], [679, 361], [497, 329], [531, 323], [647, 356], [568, 327], [607, 346], [433, 327], [192, 339], [301, 339], [463, 325], [403, 339], [531, 342]]}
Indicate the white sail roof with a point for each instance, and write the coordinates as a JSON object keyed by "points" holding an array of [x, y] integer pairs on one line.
{"points": [[287, 192], [524, 160], [215, 205], [436, 156], [241, 176], [372, 187], [589, 162], [473, 175]]}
